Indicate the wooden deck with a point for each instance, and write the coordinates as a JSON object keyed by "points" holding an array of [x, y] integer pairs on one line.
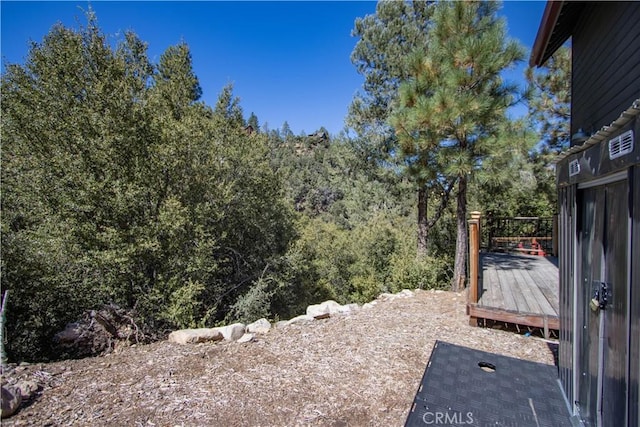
{"points": [[518, 289]]}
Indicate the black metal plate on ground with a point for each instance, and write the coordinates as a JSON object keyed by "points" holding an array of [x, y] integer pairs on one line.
{"points": [[456, 391]]}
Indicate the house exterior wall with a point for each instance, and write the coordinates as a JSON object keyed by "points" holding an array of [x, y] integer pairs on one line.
{"points": [[605, 63]]}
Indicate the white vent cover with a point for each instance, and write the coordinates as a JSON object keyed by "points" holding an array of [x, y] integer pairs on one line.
{"points": [[621, 145], [574, 167]]}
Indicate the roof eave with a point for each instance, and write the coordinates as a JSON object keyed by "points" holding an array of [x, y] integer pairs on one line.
{"points": [[545, 31]]}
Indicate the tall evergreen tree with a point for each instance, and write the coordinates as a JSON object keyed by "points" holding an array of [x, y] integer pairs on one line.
{"points": [[253, 122], [549, 97], [385, 39], [228, 109], [455, 101], [176, 80]]}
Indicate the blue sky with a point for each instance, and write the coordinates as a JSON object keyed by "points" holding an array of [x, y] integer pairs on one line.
{"points": [[288, 61]]}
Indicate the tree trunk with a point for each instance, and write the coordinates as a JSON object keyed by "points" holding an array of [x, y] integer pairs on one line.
{"points": [[460, 264], [422, 222]]}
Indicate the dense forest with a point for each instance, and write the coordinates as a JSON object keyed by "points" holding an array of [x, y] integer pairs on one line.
{"points": [[120, 186]]}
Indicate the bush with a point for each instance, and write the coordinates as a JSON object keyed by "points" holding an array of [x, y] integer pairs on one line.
{"points": [[409, 272]]}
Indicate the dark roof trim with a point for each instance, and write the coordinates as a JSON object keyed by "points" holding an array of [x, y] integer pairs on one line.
{"points": [[545, 31], [558, 22]]}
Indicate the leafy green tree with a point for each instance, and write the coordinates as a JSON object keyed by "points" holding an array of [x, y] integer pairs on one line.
{"points": [[455, 102], [119, 186], [73, 124]]}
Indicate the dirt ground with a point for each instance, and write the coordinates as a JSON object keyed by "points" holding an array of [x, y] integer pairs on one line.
{"points": [[361, 369]]}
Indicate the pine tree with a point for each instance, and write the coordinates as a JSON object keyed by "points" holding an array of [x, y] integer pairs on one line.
{"points": [[176, 80], [549, 95], [455, 101], [253, 122], [228, 109], [386, 38]]}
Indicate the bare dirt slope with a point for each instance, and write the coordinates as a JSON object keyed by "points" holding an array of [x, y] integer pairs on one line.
{"points": [[355, 370]]}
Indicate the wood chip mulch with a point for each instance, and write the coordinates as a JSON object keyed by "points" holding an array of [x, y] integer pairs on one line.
{"points": [[361, 369]]}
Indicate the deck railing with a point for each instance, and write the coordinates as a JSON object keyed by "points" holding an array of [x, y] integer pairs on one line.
{"points": [[529, 235], [508, 235]]}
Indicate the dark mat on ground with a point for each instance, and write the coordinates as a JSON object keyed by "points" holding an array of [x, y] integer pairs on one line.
{"points": [[466, 387]]}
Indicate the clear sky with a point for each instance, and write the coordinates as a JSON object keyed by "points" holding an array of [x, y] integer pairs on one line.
{"points": [[288, 60]]}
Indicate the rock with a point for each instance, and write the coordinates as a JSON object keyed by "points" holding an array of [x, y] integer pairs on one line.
{"points": [[323, 310], [191, 336], [11, 400], [303, 318], [27, 388], [405, 293], [98, 331], [281, 324], [71, 333], [349, 308], [317, 311], [246, 338], [233, 332], [368, 305], [261, 326]]}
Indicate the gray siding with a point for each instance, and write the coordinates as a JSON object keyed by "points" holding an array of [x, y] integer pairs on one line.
{"points": [[566, 200], [634, 358], [606, 63]]}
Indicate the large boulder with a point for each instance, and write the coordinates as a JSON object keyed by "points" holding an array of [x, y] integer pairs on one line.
{"points": [[11, 400], [261, 326], [192, 336]]}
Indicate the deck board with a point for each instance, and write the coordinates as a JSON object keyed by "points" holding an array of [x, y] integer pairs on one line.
{"points": [[520, 286]]}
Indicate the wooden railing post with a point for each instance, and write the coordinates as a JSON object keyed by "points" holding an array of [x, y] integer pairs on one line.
{"points": [[474, 262], [554, 236]]}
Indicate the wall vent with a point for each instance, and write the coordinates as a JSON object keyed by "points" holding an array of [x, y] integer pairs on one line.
{"points": [[621, 145], [574, 167]]}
